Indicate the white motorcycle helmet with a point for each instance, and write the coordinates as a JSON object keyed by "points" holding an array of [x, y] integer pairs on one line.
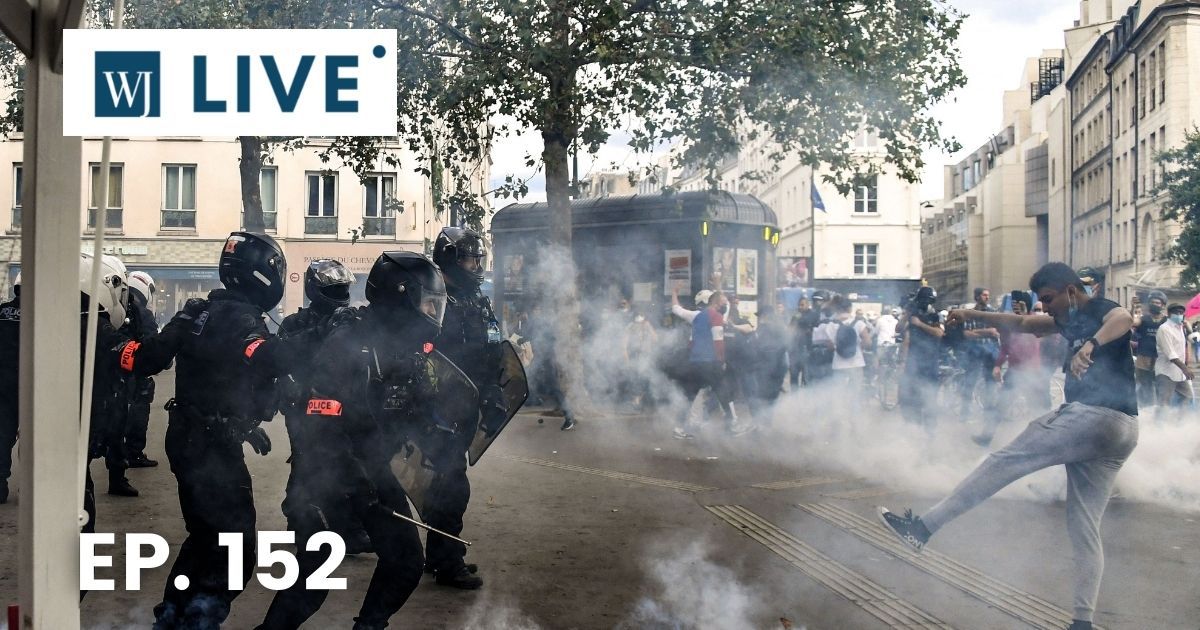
{"points": [[141, 282], [113, 292]]}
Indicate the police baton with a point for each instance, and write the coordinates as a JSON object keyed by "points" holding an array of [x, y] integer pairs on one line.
{"points": [[426, 527]]}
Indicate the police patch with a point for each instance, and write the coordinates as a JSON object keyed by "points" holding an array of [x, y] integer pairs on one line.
{"points": [[324, 407]]}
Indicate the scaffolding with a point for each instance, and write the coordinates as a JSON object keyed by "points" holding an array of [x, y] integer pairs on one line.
{"points": [[1050, 75]]}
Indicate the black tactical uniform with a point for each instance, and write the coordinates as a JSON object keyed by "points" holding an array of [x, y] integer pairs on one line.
{"points": [[471, 339], [374, 394], [919, 382], [224, 387], [10, 352], [140, 326], [312, 495]]}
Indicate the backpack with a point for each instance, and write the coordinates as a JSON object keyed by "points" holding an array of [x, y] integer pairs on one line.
{"points": [[846, 341]]}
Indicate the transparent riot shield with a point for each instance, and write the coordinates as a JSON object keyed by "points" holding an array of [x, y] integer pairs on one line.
{"points": [[516, 390]]}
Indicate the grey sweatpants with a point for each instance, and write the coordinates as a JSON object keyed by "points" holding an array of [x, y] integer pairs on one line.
{"points": [[1093, 443]]}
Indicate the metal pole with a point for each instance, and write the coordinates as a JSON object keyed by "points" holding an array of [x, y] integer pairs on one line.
{"points": [[48, 560], [427, 527]]}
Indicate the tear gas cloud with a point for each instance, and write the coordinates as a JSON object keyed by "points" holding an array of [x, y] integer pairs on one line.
{"points": [[818, 426], [688, 589]]}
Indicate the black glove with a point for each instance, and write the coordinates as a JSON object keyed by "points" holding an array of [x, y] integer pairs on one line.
{"points": [[258, 440], [341, 316]]}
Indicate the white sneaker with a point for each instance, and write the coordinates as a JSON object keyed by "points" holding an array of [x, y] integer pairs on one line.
{"points": [[680, 434]]}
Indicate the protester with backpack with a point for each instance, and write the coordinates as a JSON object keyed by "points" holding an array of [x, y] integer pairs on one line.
{"points": [[846, 337]]}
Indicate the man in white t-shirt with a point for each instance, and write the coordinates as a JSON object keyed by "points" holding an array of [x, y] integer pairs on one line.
{"points": [[847, 367], [1171, 372], [885, 328]]}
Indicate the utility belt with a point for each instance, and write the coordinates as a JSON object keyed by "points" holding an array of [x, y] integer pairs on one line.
{"points": [[221, 426]]}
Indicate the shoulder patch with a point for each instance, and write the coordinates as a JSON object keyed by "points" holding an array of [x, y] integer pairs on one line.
{"points": [[324, 407], [198, 325]]}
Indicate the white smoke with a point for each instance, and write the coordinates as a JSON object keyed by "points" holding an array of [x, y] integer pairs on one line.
{"points": [[488, 613], [692, 591]]}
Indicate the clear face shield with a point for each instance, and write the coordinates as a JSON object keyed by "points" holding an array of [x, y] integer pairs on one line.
{"points": [[329, 273], [432, 305]]}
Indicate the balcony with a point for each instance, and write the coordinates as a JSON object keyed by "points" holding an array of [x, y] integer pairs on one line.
{"points": [[112, 221], [320, 225], [270, 220], [373, 226], [179, 219]]}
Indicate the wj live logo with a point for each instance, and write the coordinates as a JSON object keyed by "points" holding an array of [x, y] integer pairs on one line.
{"points": [[128, 84]]}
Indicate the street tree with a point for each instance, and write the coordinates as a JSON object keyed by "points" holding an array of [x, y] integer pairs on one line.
{"points": [[708, 74], [1181, 187]]}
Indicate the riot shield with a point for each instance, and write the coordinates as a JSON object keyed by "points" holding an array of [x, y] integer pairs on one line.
{"points": [[516, 390], [454, 408]]}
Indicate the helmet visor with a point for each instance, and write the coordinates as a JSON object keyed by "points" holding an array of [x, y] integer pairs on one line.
{"points": [[432, 304], [328, 273]]}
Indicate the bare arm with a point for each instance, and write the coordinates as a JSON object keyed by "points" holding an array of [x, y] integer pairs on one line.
{"points": [[1034, 325]]}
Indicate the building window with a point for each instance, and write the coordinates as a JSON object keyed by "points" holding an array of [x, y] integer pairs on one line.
{"points": [[380, 205], [115, 179], [1162, 72], [268, 191], [866, 195], [179, 196], [865, 259], [320, 212], [18, 182]]}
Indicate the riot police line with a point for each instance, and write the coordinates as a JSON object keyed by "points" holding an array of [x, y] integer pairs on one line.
{"points": [[384, 404]]}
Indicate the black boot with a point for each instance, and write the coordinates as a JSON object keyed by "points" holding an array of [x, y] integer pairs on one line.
{"points": [[139, 460], [120, 486], [4, 491], [357, 541], [460, 577]]}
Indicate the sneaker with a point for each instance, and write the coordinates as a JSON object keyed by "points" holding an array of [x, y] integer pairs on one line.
{"points": [[908, 528], [121, 487], [461, 578], [141, 461], [680, 434], [568, 424], [738, 430]]}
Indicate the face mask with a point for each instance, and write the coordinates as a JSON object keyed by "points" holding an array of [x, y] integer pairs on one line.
{"points": [[1178, 319], [1088, 290], [724, 309], [1072, 309], [639, 319], [1155, 309]]}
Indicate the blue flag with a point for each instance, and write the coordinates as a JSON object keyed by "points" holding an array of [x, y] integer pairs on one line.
{"points": [[816, 197]]}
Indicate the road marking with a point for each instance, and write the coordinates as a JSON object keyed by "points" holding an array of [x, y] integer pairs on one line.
{"points": [[1006, 598], [802, 482], [862, 592], [612, 474], [861, 493]]}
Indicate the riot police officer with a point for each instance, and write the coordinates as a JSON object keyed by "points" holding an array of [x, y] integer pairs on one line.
{"points": [[327, 287], [110, 295], [471, 339], [139, 326], [922, 350], [376, 398], [224, 388]]}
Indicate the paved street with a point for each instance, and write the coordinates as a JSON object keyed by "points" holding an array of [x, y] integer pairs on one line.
{"points": [[617, 524]]}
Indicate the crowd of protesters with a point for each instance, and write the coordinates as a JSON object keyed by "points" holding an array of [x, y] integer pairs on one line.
{"points": [[734, 365]]}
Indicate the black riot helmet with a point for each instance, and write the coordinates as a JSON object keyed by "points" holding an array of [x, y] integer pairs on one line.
{"points": [[327, 284], [452, 247], [253, 265], [408, 283], [924, 297]]}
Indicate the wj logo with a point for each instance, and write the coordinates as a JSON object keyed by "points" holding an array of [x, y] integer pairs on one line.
{"points": [[127, 84]]}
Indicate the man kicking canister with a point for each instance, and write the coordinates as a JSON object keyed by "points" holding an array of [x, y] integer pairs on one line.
{"points": [[1092, 434]]}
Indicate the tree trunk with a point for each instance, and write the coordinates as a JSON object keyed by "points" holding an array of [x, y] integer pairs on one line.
{"points": [[250, 168]]}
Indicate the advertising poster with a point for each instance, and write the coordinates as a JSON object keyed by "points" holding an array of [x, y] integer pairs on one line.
{"points": [[724, 272], [747, 272], [678, 270]]}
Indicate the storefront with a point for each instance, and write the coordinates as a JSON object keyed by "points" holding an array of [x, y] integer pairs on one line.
{"points": [[357, 257]]}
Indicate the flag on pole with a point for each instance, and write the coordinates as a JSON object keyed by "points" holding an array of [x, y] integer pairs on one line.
{"points": [[816, 197]]}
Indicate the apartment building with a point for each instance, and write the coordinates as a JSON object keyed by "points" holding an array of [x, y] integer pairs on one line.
{"points": [[172, 202]]}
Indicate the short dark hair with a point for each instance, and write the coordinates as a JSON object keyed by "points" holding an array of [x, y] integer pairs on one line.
{"points": [[1022, 297], [1054, 275], [978, 292], [1176, 308]]}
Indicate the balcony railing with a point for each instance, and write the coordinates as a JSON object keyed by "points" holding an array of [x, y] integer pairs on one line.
{"points": [[112, 220], [179, 219], [373, 226], [320, 225], [269, 220]]}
